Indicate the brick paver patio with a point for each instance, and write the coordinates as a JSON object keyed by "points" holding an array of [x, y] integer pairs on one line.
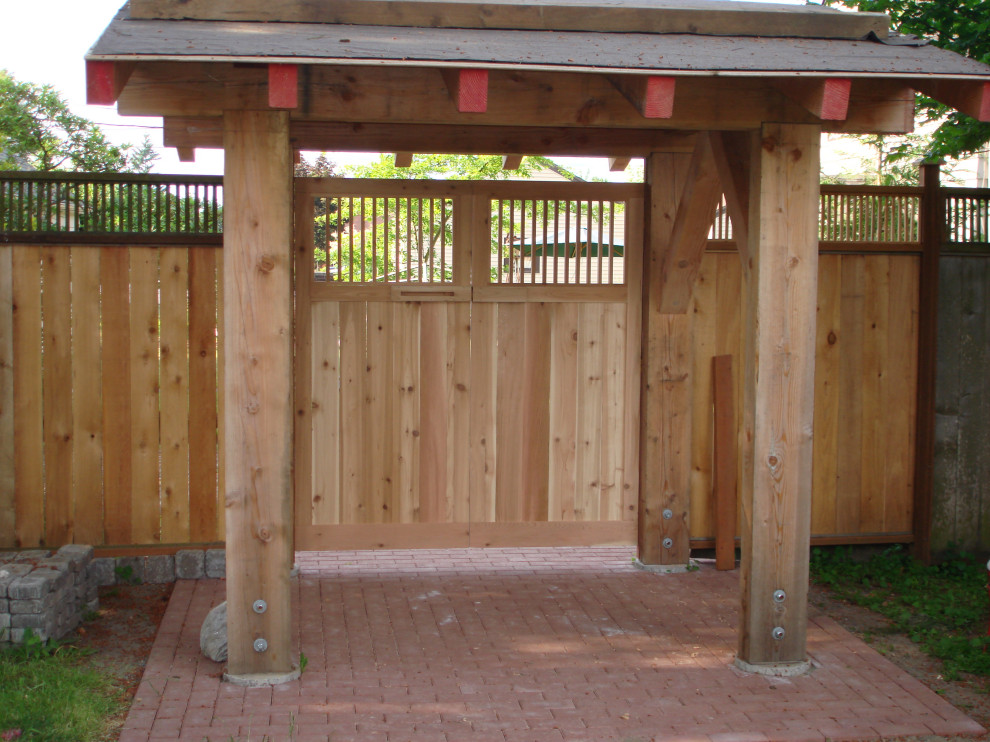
{"points": [[521, 645]]}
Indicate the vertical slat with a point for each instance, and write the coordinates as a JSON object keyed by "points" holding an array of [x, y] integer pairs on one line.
{"points": [[724, 466], [703, 310], [876, 331], [590, 362], [407, 383], [433, 504], [29, 472], [87, 405], [308, 396], [613, 410], [174, 395], [484, 333], [378, 429], [458, 479], [509, 482], [535, 431], [8, 504], [57, 394], [145, 503], [205, 395], [324, 505], [829, 345], [116, 393], [850, 430], [633, 269], [354, 467], [563, 410]]}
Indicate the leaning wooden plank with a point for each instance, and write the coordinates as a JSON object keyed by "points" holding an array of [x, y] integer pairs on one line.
{"points": [[174, 393], [116, 392], [145, 432], [57, 395], [8, 503], [29, 473], [257, 312], [724, 468], [724, 19], [204, 440], [87, 404]]}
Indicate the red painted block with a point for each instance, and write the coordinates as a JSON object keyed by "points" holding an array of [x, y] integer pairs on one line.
{"points": [[659, 99], [472, 92], [835, 99], [283, 85], [101, 83]]}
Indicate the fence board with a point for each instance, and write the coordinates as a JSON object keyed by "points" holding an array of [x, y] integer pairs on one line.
{"points": [[174, 395], [850, 437], [434, 506], [353, 339], [378, 428], [459, 410], [406, 364], [509, 412], [704, 307], [145, 439], [87, 404], [587, 461], [29, 472], [827, 397], [205, 415], [899, 403], [325, 403], [57, 394], [8, 505], [613, 411], [563, 412], [484, 339], [873, 424]]}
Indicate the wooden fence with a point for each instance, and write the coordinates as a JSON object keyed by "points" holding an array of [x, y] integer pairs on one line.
{"points": [[110, 344]]}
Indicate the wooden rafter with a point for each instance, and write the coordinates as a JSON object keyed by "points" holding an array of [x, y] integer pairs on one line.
{"points": [[972, 98], [283, 85], [403, 159], [512, 162], [618, 164], [105, 81], [468, 88], [826, 99], [652, 95], [695, 212]]}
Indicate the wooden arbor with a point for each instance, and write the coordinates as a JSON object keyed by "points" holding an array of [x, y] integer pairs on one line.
{"points": [[711, 107]]}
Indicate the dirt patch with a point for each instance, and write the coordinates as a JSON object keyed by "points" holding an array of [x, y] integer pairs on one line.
{"points": [[120, 636], [970, 694]]}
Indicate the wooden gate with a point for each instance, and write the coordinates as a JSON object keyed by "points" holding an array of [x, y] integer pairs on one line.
{"points": [[467, 363]]}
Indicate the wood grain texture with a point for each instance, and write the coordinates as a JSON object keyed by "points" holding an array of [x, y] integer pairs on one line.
{"points": [[8, 500], [724, 470], [87, 403], [587, 464], [258, 371], [29, 473], [324, 402], [778, 407], [434, 506], [830, 342], [563, 411]]}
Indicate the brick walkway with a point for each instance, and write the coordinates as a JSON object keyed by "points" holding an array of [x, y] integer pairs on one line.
{"points": [[517, 646]]}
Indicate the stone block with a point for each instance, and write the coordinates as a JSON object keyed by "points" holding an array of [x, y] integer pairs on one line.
{"points": [[77, 554], [159, 569], [33, 621], [4, 620], [32, 555], [9, 573], [59, 564], [4, 605], [34, 605], [17, 635], [129, 570], [30, 587], [216, 563], [101, 571], [190, 564], [58, 579]]}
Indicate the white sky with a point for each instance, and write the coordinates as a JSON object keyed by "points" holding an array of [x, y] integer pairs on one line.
{"points": [[44, 42]]}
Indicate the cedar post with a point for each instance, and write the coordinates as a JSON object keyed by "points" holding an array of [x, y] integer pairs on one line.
{"points": [[932, 227], [257, 289], [665, 398], [776, 442]]}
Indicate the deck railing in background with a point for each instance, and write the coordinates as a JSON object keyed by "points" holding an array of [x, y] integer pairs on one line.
{"points": [[80, 207]]}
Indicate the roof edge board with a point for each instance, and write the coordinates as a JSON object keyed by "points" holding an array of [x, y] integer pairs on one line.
{"points": [[656, 16]]}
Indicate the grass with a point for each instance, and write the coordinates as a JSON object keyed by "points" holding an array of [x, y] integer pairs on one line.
{"points": [[48, 694], [943, 607]]}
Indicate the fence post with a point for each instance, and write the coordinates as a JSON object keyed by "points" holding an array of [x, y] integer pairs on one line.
{"points": [[932, 229]]}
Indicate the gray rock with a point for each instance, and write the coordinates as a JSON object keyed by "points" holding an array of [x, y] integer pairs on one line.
{"points": [[159, 569], [77, 554], [213, 634], [129, 570], [59, 564], [190, 564], [216, 563], [32, 555], [102, 572], [9, 573], [30, 587]]}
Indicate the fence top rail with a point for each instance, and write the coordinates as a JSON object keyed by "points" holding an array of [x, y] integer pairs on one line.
{"points": [[152, 178], [955, 192], [870, 190], [518, 189]]}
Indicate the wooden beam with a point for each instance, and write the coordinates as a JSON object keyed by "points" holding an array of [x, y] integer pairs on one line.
{"points": [[666, 382], [328, 136], [724, 470], [105, 81], [826, 99], [283, 86], [638, 17], [651, 95], [512, 162], [403, 159], [257, 313], [971, 98], [618, 164], [186, 154], [468, 88], [732, 152], [695, 213], [781, 287], [394, 95]]}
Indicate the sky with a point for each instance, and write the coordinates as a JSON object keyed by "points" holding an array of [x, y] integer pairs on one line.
{"points": [[45, 42]]}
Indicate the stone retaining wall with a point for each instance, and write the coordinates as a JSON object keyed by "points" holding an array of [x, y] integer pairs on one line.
{"points": [[50, 593]]}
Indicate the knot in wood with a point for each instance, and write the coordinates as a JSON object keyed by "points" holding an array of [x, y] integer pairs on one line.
{"points": [[773, 462], [252, 406], [264, 534], [266, 264]]}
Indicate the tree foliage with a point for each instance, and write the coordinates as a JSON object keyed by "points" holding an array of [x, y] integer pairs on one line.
{"points": [[39, 132], [962, 26]]}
